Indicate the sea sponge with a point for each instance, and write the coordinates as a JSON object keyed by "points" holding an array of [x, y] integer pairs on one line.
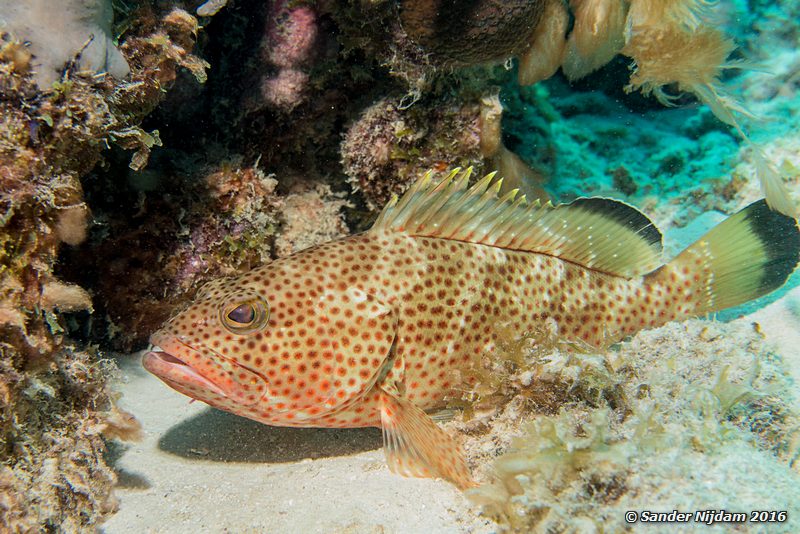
{"points": [[59, 32], [72, 224], [515, 172], [288, 50], [57, 295], [285, 90]]}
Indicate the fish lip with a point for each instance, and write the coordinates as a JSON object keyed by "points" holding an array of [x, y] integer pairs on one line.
{"points": [[176, 372]]}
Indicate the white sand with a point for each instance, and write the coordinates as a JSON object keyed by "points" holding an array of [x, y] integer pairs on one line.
{"points": [[202, 470], [780, 322]]}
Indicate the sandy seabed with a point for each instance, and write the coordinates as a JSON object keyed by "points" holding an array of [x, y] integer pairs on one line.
{"points": [[203, 470]]}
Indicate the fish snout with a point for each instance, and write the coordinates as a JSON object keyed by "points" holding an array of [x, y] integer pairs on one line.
{"points": [[200, 372]]}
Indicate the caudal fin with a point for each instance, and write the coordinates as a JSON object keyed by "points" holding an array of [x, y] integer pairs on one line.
{"points": [[748, 255]]}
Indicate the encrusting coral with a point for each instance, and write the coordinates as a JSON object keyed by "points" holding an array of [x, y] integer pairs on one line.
{"points": [[472, 31], [55, 403], [388, 147]]}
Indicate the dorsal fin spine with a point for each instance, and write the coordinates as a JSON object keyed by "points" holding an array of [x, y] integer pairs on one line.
{"points": [[405, 207], [380, 221], [438, 197], [536, 230], [493, 209], [501, 215], [521, 203], [398, 207], [508, 224], [456, 202], [480, 227], [457, 214], [428, 218], [531, 220], [604, 234]]}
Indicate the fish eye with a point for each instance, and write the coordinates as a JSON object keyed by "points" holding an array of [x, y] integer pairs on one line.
{"points": [[243, 317], [243, 313]]}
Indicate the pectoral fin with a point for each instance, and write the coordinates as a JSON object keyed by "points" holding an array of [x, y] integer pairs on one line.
{"points": [[416, 446]]}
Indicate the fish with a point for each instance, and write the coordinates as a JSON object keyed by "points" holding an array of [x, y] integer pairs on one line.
{"points": [[376, 329]]}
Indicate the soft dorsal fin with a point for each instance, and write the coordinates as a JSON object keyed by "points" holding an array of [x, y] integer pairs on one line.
{"points": [[598, 233]]}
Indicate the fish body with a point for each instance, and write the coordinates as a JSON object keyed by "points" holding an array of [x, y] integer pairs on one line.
{"points": [[377, 328]]}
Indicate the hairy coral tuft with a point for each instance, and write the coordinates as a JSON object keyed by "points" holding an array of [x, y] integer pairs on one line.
{"points": [[693, 60], [687, 13], [665, 55]]}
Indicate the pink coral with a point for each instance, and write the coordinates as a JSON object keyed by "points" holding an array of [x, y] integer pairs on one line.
{"points": [[286, 89], [291, 35], [289, 46]]}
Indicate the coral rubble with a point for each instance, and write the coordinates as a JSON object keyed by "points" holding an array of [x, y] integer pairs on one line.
{"points": [[662, 423]]}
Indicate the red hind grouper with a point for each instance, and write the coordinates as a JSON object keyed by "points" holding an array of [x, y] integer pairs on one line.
{"points": [[373, 329]]}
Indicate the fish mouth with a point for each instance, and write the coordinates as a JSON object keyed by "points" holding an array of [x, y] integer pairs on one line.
{"points": [[177, 373]]}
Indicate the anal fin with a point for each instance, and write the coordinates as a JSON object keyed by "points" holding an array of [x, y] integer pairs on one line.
{"points": [[415, 446]]}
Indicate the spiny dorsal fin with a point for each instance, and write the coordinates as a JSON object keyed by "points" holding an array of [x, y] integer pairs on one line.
{"points": [[598, 233]]}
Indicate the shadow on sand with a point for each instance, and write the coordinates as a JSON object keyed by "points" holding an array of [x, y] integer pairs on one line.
{"points": [[221, 437], [125, 479]]}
